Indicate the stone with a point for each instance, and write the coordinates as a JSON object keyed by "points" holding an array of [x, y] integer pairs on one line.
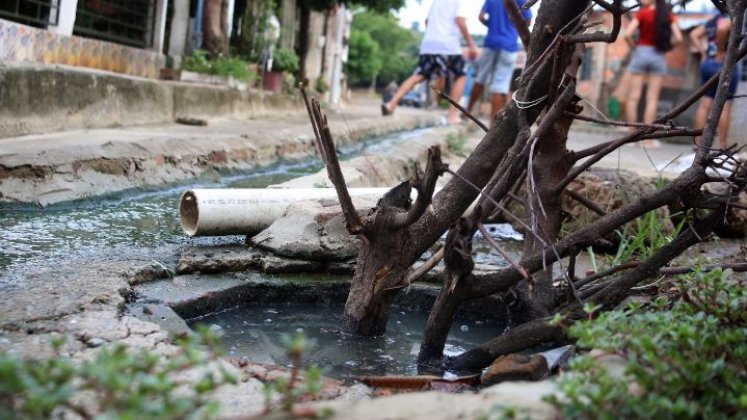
{"points": [[95, 342], [734, 225], [558, 357], [515, 367], [526, 398], [310, 231], [147, 272]]}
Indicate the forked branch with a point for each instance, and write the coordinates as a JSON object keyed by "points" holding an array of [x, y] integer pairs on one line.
{"points": [[329, 155], [425, 186]]}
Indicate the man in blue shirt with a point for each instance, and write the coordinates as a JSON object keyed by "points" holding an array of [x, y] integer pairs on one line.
{"points": [[498, 55]]}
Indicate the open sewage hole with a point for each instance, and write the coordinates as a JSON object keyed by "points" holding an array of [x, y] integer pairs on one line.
{"points": [[259, 333], [255, 313]]}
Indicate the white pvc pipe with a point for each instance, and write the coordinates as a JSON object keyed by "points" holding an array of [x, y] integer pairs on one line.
{"points": [[247, 211]]}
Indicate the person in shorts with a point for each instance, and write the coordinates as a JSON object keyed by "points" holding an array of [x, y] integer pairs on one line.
{"points": [[440, 53], [658, 33], [496, 64], [711, 39]]}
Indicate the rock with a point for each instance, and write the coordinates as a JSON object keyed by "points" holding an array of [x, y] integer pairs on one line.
{"points": [[160, 314], [610, 190], [515, 367], [310, 231], [212, 259], [147, 272], [525, 398], [735, 223], [95, 342], [557, 358]]}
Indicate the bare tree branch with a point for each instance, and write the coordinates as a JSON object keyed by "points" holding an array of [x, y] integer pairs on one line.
{"points": [[425, 188], [514, 13], [503, 253], [600, 36], [586, 202], [328, 151], [627, 124], [462, 109]]}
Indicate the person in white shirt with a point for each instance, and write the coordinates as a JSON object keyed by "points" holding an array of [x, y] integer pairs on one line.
{"points": [[440, 53]]}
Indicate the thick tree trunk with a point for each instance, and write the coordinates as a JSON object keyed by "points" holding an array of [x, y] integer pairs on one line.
{"points": [[549, 166], [368, 312], [302, 46], [215, 27], [367, 307]]}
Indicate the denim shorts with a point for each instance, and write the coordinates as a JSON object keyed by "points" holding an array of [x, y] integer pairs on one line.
{"points": [[709, 68], [498, 66], [647, 59]]}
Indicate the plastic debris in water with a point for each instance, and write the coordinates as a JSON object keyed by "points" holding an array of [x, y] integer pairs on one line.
{"points": [[464, 328]]}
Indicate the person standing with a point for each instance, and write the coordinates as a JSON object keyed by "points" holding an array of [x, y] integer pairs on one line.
{"points": [[498, 54], [440, 53], [715, 33], [658, 34]]}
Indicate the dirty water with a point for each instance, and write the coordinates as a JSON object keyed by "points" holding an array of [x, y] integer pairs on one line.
{"points": [[140, 225], [260, 333]]}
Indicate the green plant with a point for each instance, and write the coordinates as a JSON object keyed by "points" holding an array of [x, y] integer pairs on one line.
{"points": [[649, 236], [292, 388], [284, 60], [685, 359], [197, 62], [222, 66], [119, 382], [321, 184]]}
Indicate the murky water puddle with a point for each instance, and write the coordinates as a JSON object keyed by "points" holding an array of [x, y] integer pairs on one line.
{"points": [[259, 333]]}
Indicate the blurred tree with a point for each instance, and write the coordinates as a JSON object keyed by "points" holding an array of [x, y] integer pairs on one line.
{"points": [[364, 59], [398, 47], [306, 6]]}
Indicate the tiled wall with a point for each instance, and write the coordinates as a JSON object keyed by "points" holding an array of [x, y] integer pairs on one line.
{"points": [[21, 43]]}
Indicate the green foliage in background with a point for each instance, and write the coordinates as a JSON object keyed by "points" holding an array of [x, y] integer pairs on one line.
{"points": [[120, 383], [682, 360], [284, 60], [364, 60], [254, 25], [398, 47], [234, 67], [381, 6]]}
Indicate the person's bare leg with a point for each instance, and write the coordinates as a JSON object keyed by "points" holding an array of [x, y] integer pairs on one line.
{"points": [[701, 114], [652, 97], [723, 126], [497, 104], [475, 96], [456, 94], [405, 87], [439, 84], [634, 96], [653, 90]]}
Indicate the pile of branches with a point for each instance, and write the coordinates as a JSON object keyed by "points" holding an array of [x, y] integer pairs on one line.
{"points": [[526, 145]]}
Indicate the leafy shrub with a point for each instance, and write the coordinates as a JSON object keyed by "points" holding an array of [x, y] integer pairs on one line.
{"points": [[684, 361], [291, 388], [222, 66], [121, 382], [284, 60]]}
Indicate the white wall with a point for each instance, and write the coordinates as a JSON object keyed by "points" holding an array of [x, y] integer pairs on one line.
{"points": [[66, 18]]}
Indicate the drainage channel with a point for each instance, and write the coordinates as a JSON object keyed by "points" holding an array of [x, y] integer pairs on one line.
{"points": [[136, 225]]}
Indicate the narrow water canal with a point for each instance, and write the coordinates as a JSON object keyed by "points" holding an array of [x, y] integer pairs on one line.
{"points": [[135, 225]]}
